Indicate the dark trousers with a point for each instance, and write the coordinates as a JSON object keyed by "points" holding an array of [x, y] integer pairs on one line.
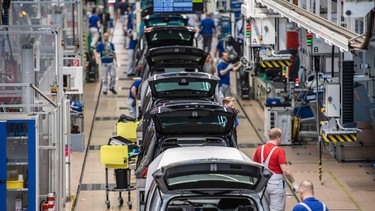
{"points": [[207, 40]]}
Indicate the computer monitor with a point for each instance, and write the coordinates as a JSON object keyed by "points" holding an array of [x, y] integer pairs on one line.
{"points": [[178, 6]]}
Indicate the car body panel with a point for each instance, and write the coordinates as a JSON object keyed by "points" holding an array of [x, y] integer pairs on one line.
{"points": [[184, 57], [181, 162], [193, 118], [169, 35], [211, 174]]}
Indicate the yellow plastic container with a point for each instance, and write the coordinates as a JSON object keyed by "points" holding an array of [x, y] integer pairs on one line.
{"points": [[114, 156], [17, 184], [127, 130]]}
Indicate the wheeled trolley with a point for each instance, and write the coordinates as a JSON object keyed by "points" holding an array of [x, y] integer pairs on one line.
{"points": [[117, 157], [122, 185]]}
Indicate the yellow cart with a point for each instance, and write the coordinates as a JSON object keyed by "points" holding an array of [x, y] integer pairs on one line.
{"points": [[116, 157]]}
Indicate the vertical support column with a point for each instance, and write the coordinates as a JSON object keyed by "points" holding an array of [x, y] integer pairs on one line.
{"points": [[329, 10], [28, 75], [338, 13], [317, 7], [308, 5]]}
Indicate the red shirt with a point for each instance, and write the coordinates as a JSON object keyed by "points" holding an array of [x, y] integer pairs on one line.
{"points": [[277, 158]]}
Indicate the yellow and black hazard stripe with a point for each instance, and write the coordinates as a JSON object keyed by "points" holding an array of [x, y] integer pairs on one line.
{"points": [[275, 63], [339, 137]]}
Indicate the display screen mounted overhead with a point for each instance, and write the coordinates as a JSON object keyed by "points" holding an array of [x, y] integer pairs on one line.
{"points": [[178, 6]]}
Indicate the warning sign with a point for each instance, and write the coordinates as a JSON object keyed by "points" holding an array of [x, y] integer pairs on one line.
{"points": [[76, 62]]}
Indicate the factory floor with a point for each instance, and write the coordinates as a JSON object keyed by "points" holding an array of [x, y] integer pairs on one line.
{"points": [[343, 186]]}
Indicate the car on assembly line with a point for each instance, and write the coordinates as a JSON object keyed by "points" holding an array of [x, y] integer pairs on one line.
{"points": [[169, 59], [183, 123], [207, 179], [172, 87], [158, 36]]}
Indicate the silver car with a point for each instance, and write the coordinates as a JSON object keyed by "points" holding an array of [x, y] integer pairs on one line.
{"points": [[205, 178]]}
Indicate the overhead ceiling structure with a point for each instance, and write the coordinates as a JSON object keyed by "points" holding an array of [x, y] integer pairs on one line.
{"points": [[333, 34]]}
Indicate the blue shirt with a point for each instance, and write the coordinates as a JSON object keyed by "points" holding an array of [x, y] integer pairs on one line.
{"points": [[224, 79], [93, 21], [220, 47], [311, 202], [130, 21], [132, 44], [208, 26], [135, 84], [107, 52]]}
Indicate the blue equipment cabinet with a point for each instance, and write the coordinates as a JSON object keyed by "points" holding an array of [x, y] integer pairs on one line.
{"points": [[18, 153]]}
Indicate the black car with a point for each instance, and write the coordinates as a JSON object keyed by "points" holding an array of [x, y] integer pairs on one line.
{"points": [[168, 59], [161, 36], [186, 123]]}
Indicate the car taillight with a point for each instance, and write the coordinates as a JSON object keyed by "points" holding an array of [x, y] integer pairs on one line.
{"points": [[144, 172]]}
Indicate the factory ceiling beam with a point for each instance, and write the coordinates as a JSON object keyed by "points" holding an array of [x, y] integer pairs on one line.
{"points": [[333, 34]]}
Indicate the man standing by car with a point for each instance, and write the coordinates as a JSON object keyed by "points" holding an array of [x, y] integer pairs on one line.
{"points": [[207, 28], [309, 203], [224, 68], [274, 158], [229, 103], [107, 53], [132, 99]]}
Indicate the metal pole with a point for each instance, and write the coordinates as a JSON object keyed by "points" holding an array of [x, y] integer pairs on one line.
{"points": [[318, 121]]}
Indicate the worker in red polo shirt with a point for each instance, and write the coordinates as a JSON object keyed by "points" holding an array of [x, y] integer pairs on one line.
{"points": [[273, 157]]}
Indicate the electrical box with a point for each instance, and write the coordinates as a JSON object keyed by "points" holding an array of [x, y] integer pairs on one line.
{"points": [[279, 117], [332, 100]]}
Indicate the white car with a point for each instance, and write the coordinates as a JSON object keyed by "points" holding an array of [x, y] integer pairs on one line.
{"points": [[205, 178]]}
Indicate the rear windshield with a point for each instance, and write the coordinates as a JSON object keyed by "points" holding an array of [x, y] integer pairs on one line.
{"points": [[169, 35], [194, 122], [166, 22], [183, 86]]}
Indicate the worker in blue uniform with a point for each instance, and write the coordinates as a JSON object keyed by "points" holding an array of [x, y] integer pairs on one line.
{"points": [[309, 202], [208, 29], [132, 99]]}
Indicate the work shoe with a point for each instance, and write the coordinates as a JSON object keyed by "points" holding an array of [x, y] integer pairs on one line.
{"points": [[105, 93], [113, 91]]}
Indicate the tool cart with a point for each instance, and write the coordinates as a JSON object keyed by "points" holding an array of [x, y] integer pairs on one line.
{"points": [[116, 156]]}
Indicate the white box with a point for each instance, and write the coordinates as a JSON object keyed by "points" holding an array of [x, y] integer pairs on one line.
{"points": [[332, 100]]}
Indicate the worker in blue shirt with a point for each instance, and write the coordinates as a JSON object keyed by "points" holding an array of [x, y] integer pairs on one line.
{"points": [[223, 69], [132, 99], [106, 49], [94, 26], [131, 49], [219, 49], [207, 28], [309, 202]]}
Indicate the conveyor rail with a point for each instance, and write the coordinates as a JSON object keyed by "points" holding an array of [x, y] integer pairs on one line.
{"points": [[333, 34]]}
